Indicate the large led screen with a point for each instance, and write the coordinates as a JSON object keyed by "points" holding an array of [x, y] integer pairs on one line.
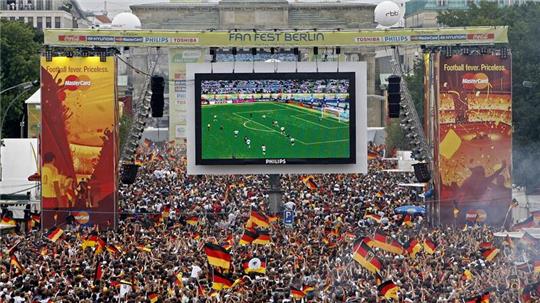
{"points": [[275, 118]]}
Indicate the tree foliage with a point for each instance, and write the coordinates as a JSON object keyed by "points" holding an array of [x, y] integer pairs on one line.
{"points": [[524, 37], [19, 58], [395, 136]]}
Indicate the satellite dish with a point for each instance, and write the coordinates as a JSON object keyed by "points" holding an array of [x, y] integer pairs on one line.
{"points": [[126, 21], [387, 13], [254, 263]]}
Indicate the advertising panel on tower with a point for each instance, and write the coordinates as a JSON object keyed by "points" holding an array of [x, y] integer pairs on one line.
{"points": [[79, 147], [475, 138]]}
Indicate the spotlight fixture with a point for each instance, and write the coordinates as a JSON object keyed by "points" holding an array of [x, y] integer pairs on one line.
{"points": [[103, 57], [504, 53], [234, 51], [465, 51], [315, 51], [483, 50]]}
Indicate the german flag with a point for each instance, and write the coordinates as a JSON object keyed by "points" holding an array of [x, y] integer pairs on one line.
{"points": [[485, 245], [329, 243], [263, 237], [12, 249], [388, 290], [260, 270], [407, 221], [89, 241], [36, 219], [220, 281], [217, 255], [54, 234], [309, 181], [413, 247], [112, 249], [8, 221], [249, 236], [537, 266], [273, 218], [98, 274], [13, 261], [489, 254], [297, 293], [307, 289], [147, 142], [193, 220], [153, 297], [195, 236], [483, 298], [372, 155], [259, 219], [378, 278], [386, 243], [228, 243], [144, 248], [366, 258], [373, 217], [467, 275], [429, 246], [100, 246], [178, 280], [165, 211]]}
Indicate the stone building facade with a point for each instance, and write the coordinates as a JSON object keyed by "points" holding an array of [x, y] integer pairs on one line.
{"points": [[260, 15]]}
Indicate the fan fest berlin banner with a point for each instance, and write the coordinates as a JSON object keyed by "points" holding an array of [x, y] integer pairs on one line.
{"points": [[78, 141], [475, 138]]}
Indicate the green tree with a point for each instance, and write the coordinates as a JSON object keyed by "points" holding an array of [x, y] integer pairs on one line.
{"points": [[415, 83], [524, 41], [395, 136], [19, 58]]}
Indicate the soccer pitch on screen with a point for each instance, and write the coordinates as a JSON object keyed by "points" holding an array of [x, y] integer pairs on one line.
{"points": [[299, 118]]}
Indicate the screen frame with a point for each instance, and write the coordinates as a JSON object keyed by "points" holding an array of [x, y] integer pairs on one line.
{"points": [[200, 77]]}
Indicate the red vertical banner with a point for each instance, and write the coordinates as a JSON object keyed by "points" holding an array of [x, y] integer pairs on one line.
{"points": [[474, 138], [79, 148]]}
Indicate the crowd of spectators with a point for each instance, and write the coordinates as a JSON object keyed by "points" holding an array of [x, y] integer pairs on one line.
{"points": [[292, 86], [154, 249]]}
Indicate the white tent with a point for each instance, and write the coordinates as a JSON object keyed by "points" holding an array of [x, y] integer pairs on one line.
{"points": [[35, 98]]}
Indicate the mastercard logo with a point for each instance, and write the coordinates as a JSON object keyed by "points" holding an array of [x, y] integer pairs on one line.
{"points": [[73, 82], [81, 217], [476, 215], [475, 81]]}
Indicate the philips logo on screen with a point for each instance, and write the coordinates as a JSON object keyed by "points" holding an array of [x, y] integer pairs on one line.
{"points": [[276, 161]]}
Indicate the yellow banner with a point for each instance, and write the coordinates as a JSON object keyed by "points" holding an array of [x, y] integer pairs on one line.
{"points": [[375, 37]]}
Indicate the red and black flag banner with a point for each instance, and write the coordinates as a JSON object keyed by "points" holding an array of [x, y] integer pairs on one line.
{"points": [[297, 293], [98, 274], [54, 234], [248, 236], [263, 237], [386, 243], [309, 181], [14, 262], [217, 255], [388, 290], [429, 246], [259, 219], [483, 298], [220, 281], [366, 258]]}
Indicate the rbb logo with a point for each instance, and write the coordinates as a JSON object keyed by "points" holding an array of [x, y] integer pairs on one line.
{"points": [[392, 13]]}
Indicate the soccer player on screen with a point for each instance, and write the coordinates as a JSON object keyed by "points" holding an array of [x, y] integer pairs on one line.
{"points": [[235, 133], [282, 130], [248, 142], [292, 141], [208, 126], [215, 118], [263, 148]]}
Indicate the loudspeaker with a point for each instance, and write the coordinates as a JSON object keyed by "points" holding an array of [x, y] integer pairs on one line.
{"points": [[421, 172], [157, 102], [129, 173], [394, 96]]}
